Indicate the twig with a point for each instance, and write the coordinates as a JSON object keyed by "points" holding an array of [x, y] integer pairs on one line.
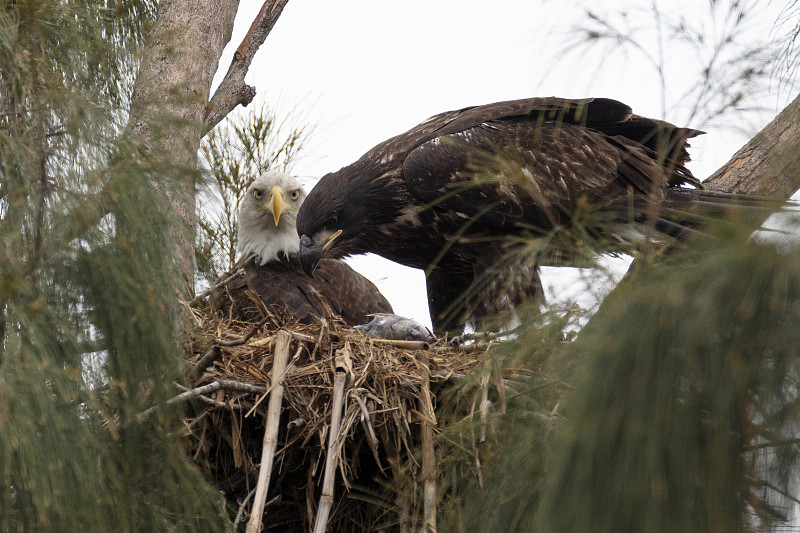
{"points": [[244, 338], [214, 352], [324, 305], [302, 337], [399, 477], [242, 507], [476, 347], [428, 454], [271, 432], [326, 499], [194, 302], [210, 401], [407, 345], [206, 361], [368, 429], [214, 386], [286, 368], [449, 377], [480, 335], [233, 90]]}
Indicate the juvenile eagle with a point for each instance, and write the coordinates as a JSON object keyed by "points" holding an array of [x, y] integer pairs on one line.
{"points": [[450, 194], [268, 245]]}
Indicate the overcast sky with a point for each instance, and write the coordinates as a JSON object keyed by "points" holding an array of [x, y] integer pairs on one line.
{"points": [[366, 70]]}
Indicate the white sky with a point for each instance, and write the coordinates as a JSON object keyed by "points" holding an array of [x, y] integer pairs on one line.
{"points": [[366, 70]]}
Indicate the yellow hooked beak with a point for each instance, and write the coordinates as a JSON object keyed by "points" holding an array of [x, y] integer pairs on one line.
{"points": [[277, 201], [329, 241]]}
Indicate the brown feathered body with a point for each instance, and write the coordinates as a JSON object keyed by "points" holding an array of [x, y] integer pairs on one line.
{"points": [[285, 290], [273, 278], [451, 194]]}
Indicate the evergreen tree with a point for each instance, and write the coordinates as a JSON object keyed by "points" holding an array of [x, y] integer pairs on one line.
{"points": [[88, 285]]}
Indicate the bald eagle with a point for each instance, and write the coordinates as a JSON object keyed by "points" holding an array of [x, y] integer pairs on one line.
{"points": [[267, 247], [453, 194]]}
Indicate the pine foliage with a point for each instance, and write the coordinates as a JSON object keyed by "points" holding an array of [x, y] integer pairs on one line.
{"points": [[679, 410], [87, 285]]}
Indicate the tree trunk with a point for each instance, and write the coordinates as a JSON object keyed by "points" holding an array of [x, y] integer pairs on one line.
{"points": [[169, 101], [768, 165]]}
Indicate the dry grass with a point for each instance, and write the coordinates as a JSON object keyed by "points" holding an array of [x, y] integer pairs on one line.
{"points": [[389, 395]]}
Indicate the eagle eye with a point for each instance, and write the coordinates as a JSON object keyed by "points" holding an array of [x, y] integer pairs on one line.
{"points": [[331, 222], [257, 194], [295, 194]]}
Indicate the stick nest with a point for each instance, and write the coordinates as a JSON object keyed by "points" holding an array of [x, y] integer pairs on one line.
{"points": [[390, 390]]}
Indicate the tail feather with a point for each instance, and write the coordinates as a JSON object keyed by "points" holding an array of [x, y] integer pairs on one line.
{"points": [[688, 213], [697, 209]]}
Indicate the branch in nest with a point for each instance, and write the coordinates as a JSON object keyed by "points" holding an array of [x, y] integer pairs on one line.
{"points": [[369, 430], [480, 335], [428, 453], [224, 384], [475, 347], [233, 90], [194, 302], [407, 345], [270, 442], [327, 311], [206, 361], [214, 352], [326, 500], [244, 338]]}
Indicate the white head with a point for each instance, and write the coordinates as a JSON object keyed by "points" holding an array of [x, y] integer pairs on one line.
{"points": [[267, 217]]}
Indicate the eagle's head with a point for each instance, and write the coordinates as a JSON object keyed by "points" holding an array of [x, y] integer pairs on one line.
{"points": [[351, 211], [268, 217]]}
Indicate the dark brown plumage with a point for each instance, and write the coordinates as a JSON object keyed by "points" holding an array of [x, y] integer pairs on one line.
{"points": [[268, 244], [446, 195], [285, 289]]}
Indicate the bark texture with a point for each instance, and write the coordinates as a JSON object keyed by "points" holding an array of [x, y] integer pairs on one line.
{"points": [[233, 90], [170, 95], [769, 164]]}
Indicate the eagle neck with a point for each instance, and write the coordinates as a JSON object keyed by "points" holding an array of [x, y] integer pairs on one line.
{"points": [[265, 244]]}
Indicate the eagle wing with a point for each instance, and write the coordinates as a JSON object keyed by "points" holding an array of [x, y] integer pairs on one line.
{"points": [[285, 289], [533, 159], [351, 295]]}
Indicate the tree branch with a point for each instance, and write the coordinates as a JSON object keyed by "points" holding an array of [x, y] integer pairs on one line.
{"points": [[233, 90], [769, 164], [214, 386], [194, 302], [270, 443]]}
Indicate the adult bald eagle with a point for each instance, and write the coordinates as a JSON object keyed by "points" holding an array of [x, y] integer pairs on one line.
{"points": [[446, 195], [268, 245]]}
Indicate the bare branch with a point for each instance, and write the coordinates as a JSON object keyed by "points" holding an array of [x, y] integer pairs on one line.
{"points": [[332, 455], [270, 442], [214, 386], [197, 300], [768, 164], [244, 338], [233, 90]]}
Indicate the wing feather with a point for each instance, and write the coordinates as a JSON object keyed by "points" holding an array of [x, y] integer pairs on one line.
{"points": [[513, 169], [285, 289]]}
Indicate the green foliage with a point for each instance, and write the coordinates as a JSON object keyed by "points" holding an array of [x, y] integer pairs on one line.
{"points": [[88, 312], [681, 415], [496, 424], [235, 153], [684, 418]]}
